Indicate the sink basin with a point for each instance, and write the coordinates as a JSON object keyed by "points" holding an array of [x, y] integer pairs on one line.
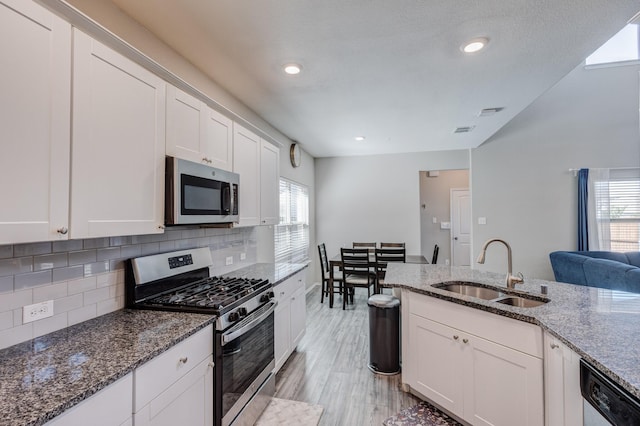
{"points": [[521, 302], [471, 289]]}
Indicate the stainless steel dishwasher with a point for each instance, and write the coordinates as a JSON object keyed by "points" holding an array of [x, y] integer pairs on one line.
{"points": [[605, 402]]}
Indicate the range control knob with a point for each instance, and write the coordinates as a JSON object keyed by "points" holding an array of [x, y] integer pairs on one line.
{"points": [[242, 312], [265, 297], [234, 316]]}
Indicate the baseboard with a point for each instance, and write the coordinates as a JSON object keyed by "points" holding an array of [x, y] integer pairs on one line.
{"points": [[312, 287]]}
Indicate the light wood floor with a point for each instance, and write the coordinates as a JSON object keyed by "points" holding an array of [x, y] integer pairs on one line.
{"points": [[329, 367]]}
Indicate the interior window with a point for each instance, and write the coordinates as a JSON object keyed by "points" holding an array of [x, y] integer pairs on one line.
{"points": [[292, 233], [621, 49]]}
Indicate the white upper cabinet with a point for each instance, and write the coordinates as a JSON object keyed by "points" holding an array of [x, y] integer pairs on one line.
{"points": [[118, 148], [196, 132], [246, 162], [35, 47], [269, 184]]}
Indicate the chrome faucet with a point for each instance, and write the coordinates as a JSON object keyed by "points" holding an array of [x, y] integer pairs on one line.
{"points": [[511, 280]]}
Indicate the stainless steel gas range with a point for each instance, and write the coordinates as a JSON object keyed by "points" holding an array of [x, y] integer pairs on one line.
{"points": [[243, 343]]}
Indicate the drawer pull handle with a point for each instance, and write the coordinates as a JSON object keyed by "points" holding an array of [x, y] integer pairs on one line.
{"points": [[554, 346], [212, 364], [183, 360], [455, 337], [62, 230], [465, 340]]}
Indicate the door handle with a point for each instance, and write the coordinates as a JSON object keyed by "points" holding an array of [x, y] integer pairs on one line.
{"points": [[455, 238]]}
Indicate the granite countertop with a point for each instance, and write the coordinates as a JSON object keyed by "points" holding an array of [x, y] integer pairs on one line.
{"points": [[600, 325], [41, 378], [274, 272]]}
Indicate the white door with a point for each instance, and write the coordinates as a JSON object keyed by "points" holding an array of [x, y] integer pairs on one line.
{"points": [[460, 227], [35, 103]]}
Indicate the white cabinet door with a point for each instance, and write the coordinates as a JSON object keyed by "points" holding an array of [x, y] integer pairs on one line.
{"points": [[435, 361], [246, 162], [269, 184], [109, 407], [117, 175], [35, 116], [563, 400], [298, 315], [197, 133], [185, 125], [282, 333], [502, 386], [219, 140]]}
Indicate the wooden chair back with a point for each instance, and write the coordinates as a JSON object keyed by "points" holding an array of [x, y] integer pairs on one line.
{"points": [[386, 245], [324, 261], [434, 258], [386, 255], [369, 246], [355, 261]]}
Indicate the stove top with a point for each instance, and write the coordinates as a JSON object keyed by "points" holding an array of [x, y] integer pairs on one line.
{"points": [[215, 293]]}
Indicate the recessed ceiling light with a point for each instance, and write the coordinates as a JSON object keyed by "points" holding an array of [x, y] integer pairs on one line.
{"points": [[359, 138], [475, 45], [292, 69]]}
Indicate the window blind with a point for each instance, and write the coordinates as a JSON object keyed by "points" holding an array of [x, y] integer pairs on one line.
{"points": [[292, 232], [618, 200]]}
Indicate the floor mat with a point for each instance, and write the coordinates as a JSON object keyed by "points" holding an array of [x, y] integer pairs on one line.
{"points": [[421, 414], [286, 412]]}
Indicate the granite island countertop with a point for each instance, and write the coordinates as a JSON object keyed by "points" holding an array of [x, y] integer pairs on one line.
{"points": [[600, 325], [41, 378]]}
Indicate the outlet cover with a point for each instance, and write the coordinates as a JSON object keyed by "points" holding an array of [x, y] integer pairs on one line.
{"points": [[37, 311], [229, 260]]}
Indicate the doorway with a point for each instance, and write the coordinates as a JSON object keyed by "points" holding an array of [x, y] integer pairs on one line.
{"points": [[436, 220]]}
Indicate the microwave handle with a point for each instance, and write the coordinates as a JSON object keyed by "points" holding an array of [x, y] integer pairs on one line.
{"points": [[227, 199]]}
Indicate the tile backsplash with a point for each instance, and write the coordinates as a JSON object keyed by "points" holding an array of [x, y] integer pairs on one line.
{"points": [[85, 278]]}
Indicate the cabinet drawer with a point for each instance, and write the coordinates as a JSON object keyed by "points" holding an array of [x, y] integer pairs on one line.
{"points": [[285, 289], [155, 376]]}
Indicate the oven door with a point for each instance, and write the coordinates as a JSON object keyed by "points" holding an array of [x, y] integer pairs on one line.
{"points": [[245, 361]]}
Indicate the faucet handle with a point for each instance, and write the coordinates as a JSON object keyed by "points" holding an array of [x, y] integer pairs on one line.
{"points": [[512, 280]]}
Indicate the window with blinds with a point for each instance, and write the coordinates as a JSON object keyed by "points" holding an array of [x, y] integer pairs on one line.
{"points": [[619, 200], [292, 233]]}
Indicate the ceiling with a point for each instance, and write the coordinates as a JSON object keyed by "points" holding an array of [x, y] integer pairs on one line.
{"points": [[391, 71]]}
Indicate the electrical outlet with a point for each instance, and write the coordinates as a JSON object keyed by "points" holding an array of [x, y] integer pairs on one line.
{"points": [[229, 261], [243, 256], [446, 262], [37, 311]]}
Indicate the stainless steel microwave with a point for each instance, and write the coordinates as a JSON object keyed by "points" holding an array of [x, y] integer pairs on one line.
{"points": [[199, 194]]}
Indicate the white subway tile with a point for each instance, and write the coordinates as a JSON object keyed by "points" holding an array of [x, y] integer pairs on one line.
{"points": [[66, 246], [6, 251], [82, 285], [130, 251], [50, 261], [31, 249], [167, 246], [82, 314], [49, 325], [70, 273], [96, 268], [149, 248], [17, 317], [108, 253], [104, 280], [15, 335], [95, 243], [81, 257], [6, 285], [107, 306], [68, 303], [17, 299], [6, 320], [16, 265], [98, 295], [52, 291]]}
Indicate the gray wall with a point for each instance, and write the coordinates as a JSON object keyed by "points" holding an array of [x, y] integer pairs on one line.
{"points": [[435, 194], [375, 198], [520, 178]]}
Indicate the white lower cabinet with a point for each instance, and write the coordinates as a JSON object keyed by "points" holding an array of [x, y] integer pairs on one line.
{"points": [[177, 386], [289, 317], [563, 400], [481, 367], [109, 407]]}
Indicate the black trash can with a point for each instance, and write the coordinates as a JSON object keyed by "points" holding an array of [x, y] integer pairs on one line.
{"points": [[384, 334]]}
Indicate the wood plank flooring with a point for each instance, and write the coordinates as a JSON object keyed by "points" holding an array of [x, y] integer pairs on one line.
{"points": [[329, 367]]}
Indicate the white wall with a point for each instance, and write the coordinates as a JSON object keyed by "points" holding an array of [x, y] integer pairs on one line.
{"points": [[435, 194], [375, 198], [520, 178]]}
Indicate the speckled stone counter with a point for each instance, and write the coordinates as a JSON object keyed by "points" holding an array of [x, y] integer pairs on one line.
{"points": [[602, 326], [41, 378], [274, 272]]}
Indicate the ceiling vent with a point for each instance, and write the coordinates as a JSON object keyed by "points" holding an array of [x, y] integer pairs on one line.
{"points": [[466, 129], [487, 112]]}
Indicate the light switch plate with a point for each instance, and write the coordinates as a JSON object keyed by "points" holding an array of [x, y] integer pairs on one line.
{"points": [[445, 225], [229, 260], [243, 256], [482, 221], [37, 311]]}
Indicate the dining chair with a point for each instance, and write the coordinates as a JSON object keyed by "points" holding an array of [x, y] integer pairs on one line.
{"points": [[324, 269], [386, 245], [434, 258], [370, 246], [383, 257], [356, 272]]}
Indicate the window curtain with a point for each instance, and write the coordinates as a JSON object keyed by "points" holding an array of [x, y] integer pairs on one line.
{"points": [[599, 216], [583, 209]]}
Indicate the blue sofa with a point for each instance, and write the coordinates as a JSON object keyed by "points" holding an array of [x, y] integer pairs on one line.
{"points": [[605, 269]]}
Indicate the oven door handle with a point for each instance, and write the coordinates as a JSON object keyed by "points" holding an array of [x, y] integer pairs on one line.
{"points": [[233, 333]]}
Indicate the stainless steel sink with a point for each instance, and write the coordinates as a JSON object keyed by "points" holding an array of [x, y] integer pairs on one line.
{"points": [[470, 289], [521, 302], [481, 292]]}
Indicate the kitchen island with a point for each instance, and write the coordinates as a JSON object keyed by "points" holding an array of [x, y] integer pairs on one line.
{"points": [[601, 326]]}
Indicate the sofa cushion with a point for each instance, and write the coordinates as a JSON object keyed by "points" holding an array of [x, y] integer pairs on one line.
{"points": [[633, 258], [605, 273], [610, 255], [632, 281], [567, 267]]}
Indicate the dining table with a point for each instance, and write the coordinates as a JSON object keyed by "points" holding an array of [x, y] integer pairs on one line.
{"points": [[336, 262]]}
